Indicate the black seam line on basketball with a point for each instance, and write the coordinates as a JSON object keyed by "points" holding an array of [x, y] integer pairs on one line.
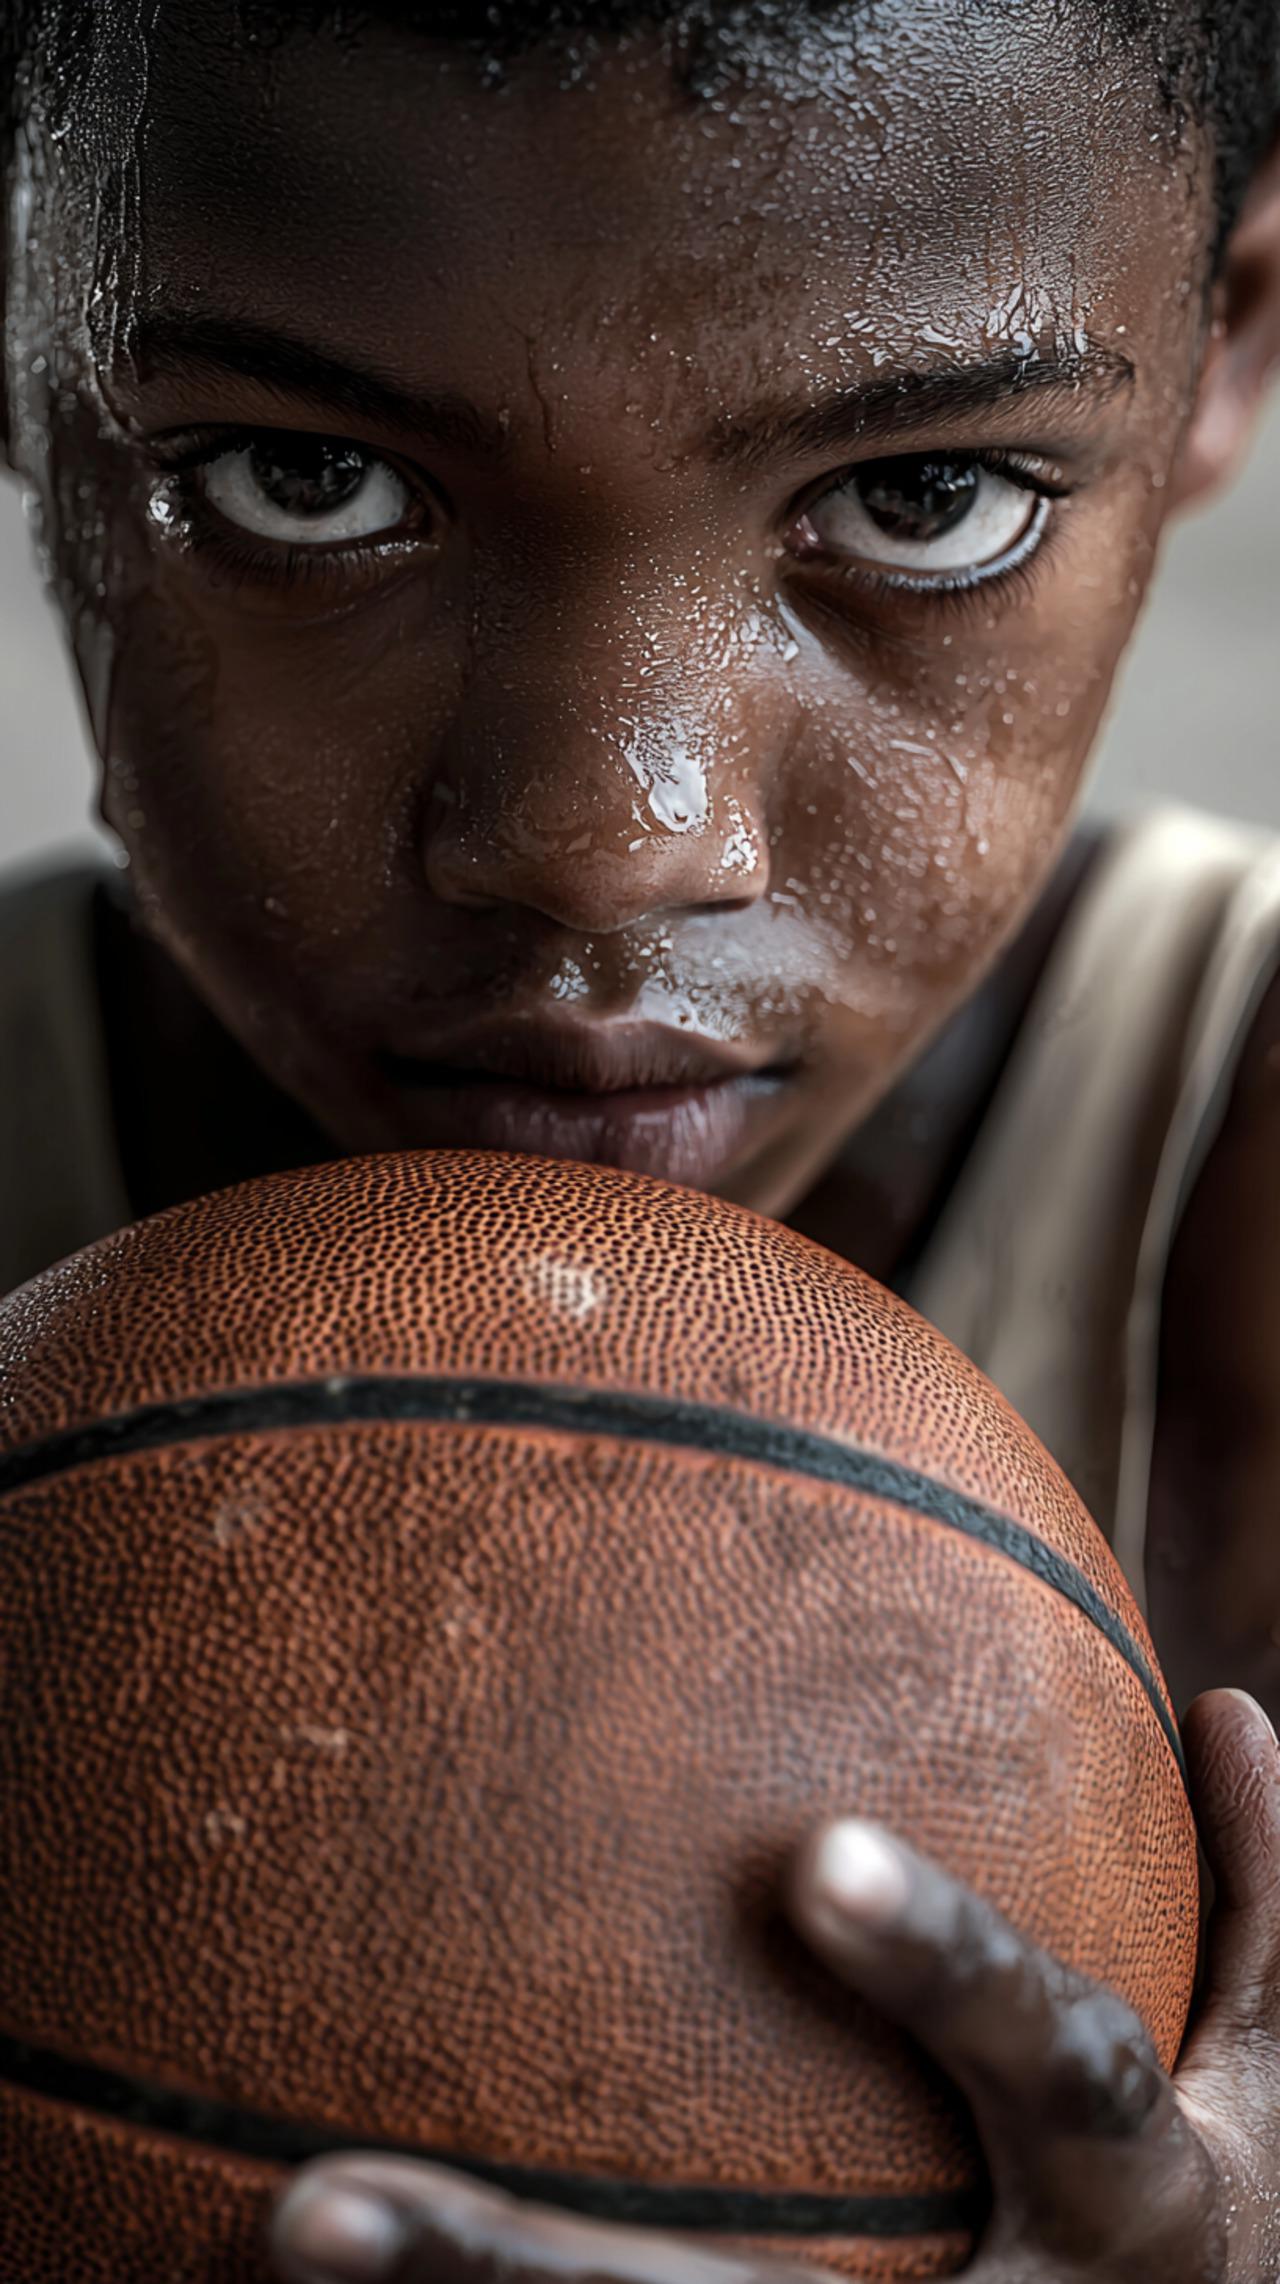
{"points": [[239, 2132], [394, 1399]]}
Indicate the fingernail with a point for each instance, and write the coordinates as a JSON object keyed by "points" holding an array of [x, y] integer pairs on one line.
{"points": [[1259, 1712], [861, 1873], [325, 2234]]}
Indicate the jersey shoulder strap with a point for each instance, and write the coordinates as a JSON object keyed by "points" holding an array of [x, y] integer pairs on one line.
{"points": [[1048, 1264]]}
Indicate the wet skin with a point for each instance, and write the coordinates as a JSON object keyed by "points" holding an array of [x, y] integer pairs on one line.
{"points": [[600, 771], [624, 774]]}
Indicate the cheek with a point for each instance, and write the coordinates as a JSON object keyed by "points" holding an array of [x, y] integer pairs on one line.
{"points": [[936, 843], [267, 774], [937, 776], [258, 763]]}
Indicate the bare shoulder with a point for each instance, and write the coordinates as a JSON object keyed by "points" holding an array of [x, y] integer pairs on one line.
{"points": [[1214, 1564]]}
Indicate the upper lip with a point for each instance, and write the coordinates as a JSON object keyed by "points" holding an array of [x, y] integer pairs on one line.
{"points": [[574, 1057]]}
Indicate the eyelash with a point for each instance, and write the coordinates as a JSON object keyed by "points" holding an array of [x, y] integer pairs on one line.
{"points": [[244, 560], [240, 558], [971, 604], [959, 594]]}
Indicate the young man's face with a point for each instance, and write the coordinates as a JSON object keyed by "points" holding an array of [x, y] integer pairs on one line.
{"points": [[673, 677]]}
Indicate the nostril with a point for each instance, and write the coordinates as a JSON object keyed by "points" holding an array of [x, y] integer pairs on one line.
{"points": [[557, 847], [719, 907]]}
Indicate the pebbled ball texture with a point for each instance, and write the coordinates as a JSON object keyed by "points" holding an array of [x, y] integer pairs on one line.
{"points": [[429, 1782]]}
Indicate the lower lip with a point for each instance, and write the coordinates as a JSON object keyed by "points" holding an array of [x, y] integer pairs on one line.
{"points": [[686, 1134]]}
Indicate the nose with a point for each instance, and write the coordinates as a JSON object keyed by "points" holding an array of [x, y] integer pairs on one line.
{"points": [[599, 788]]}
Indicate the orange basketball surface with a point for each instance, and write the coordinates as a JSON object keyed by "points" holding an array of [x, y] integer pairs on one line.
{"points": [[438, 1594]]}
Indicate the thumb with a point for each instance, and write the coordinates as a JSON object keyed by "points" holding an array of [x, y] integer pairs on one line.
{"points": [[1234, 1764]]}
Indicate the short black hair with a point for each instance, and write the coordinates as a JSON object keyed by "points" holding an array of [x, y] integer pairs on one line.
{"points": [[1216, 62]]}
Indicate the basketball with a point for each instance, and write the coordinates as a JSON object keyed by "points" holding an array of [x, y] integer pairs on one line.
{"points": [[439, 1593]]}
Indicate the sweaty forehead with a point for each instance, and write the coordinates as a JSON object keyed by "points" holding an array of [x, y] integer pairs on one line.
{"points": [[942, 176]]}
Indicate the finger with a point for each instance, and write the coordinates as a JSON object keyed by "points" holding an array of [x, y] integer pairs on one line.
{"points": [[1078, 2121], [1234, 1765], [389, 2220], [1231, 2063], [1005, 2020]]}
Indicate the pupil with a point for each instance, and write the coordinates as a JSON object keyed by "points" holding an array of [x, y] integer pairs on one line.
{"points": [[307, 476], [919, 499]]}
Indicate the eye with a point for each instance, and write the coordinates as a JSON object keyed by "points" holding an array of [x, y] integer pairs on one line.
{"points": [[305, 491], [926, 517]]}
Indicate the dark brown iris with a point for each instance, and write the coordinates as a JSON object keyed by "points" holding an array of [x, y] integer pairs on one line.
{"points": [[307, 475], [920, 500]]}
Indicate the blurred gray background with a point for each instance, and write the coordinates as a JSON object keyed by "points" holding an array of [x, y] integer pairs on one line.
{"points": [[1195, 720]]}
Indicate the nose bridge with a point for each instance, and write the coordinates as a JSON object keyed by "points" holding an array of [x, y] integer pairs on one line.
{"points": [[599, 767]]}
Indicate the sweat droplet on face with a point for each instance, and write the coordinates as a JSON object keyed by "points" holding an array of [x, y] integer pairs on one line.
{"points": [[674, 783]]}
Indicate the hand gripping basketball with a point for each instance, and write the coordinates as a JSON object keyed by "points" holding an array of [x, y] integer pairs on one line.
{"points": [[1102, 2166]]}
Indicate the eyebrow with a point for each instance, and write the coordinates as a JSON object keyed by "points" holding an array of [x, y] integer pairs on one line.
{"points": [[194, 344], [898, 403]]}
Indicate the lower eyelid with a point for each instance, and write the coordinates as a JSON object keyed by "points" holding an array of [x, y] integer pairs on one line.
{"points": [[1021, 550], [902, 578], [181, 504], [180, 460], [231, 558], [954, 594], [375, 473], [1036, 483]]}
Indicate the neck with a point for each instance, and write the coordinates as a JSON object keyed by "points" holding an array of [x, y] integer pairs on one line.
{"points": [[880, 1201], [192, 1111]]}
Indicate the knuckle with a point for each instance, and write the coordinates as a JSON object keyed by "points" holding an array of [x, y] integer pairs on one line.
{"points": [[970, 1946], [966, 1964], [1101, 2073]]}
